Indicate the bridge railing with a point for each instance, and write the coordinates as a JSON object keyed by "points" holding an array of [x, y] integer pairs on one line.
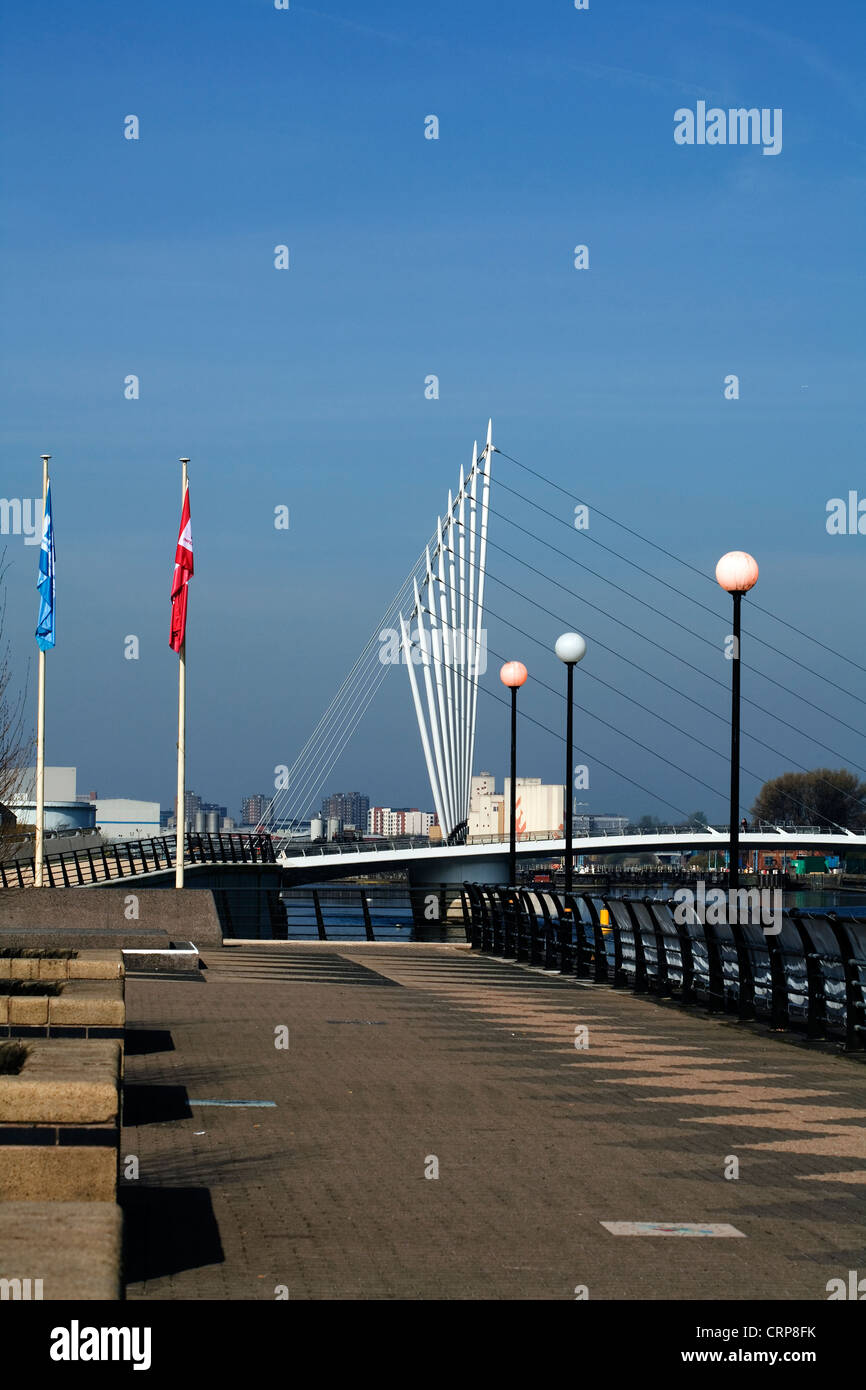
{"points": [[134, 858], [809, 976], [318, 849]]}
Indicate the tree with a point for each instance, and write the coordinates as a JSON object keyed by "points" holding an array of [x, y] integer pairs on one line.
{"points": [[827, 797]]}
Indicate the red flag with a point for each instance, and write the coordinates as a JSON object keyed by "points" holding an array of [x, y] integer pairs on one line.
{"points": [[182, 575]]}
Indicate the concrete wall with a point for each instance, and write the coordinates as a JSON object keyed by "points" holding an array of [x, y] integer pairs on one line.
{"points": [[188, 914]]}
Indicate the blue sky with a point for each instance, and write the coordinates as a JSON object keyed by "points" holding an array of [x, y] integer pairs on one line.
{"points": [[412, 257]]}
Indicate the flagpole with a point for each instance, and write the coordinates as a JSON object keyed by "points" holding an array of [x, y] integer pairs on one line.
{"points": [[39, 849], [180, 817]]}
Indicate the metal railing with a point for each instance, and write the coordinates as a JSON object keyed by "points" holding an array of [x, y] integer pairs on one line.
{"points": [[808, 977], [133, 858], [303, 849]]}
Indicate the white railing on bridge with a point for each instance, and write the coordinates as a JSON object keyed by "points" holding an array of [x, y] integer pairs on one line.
{"points": [[301, 849]]}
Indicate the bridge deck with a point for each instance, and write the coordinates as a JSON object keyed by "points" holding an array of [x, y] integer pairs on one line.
{"points": [[401, 1052]]}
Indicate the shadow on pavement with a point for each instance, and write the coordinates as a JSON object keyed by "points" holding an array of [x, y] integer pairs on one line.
{"points": [[140, 1041], [150, 1105], [166, 1230]]}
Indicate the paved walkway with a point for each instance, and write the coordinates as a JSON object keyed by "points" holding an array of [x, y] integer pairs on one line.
{"points": [[399, 1055]]}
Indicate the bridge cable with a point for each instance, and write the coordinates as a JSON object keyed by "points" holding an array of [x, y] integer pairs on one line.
{"points": [[849, 796], [561, 739], [646, 749], [659, 647], [666, 684], [331, 713], [672, 556], [681, 593]]}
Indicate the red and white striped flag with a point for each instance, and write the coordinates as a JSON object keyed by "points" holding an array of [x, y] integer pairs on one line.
{"points": [[182, 575]]}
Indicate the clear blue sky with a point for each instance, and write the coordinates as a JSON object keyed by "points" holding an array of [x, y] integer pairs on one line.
{"points": [[411, 257]]}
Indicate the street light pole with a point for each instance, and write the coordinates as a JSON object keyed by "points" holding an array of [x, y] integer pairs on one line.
{"points": [[570, 648], [737, 573], [513, 675]]}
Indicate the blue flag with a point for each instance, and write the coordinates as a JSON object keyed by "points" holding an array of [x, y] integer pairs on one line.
{"points": [[45, 636]]}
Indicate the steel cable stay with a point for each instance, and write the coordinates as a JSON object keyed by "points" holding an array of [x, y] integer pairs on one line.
{"points": [[795, 801], [682, 732], [665, 684], [331, 712], [522, 714], [672, 556], [660, 612], [659, 647], [451, 707], [306, 766]]}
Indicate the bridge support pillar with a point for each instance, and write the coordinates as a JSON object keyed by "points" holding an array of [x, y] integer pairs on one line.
{"points": [[458, 871]]}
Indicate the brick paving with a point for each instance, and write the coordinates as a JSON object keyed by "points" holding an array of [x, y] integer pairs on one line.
{"points": [[401, 1054]]}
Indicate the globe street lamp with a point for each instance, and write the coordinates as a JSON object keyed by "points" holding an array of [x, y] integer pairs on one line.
{"points": [[513, 675], [737, 573], [570, 648]]}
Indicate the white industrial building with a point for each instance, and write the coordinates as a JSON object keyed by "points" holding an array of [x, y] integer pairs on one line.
{"points": [[540, 807], [121, 818], [118, 818]]}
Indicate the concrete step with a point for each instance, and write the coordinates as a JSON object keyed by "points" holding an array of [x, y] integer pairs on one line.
{"points": [[83, 938]]}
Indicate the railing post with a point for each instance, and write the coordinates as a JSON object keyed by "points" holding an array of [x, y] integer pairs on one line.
{"points": [[365, 908], [467, 917], [320, 921]]}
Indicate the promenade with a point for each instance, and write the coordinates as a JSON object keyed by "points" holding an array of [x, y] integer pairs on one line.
{"points": [[399, 1055]]}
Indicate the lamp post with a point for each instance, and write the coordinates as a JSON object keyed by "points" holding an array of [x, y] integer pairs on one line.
{"points": [[513, 675], [570, 648], [737, 573]]}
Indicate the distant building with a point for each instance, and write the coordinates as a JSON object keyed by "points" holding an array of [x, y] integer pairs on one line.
{"points": [[351, 808], [600, 825], [539, 807], [485, 807], [117, 817], [402, 820], [191, 806], [59, 784], [120, 818], [63, 809], [254, 809]]}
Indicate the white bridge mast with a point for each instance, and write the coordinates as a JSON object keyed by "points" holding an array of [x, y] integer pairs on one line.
{"points": [[448, 642]]}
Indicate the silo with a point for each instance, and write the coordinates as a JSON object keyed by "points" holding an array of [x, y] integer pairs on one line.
{"points": [[199, 823], [213, 822], [317, 828], [333, 827]]}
